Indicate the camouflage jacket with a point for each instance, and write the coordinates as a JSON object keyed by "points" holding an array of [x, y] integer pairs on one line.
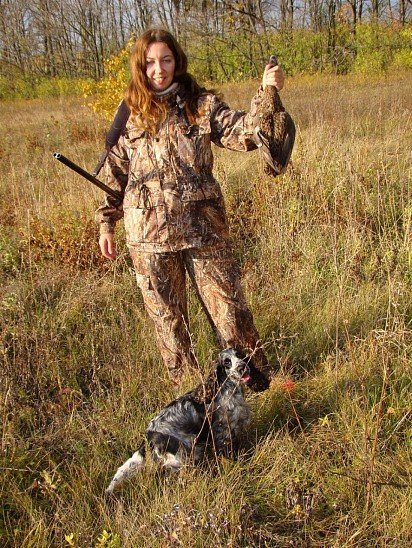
{"points": [[171, 201]]}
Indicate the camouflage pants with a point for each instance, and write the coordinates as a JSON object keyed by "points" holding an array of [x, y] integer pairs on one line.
{"points": [[215, 277]]}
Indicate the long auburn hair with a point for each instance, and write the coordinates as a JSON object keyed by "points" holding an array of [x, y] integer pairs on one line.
{"points": [[148, 110]]}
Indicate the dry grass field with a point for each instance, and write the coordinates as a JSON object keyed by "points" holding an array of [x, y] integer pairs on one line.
{"points": [[326, 259]]}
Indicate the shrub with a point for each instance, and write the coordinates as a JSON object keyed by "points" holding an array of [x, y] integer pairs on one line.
{"points": [[403, 59], [369, 63], [108, 92], [33, 88]]}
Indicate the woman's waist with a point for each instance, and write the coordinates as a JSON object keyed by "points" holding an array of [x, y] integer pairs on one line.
{"points": [[146, 193]]}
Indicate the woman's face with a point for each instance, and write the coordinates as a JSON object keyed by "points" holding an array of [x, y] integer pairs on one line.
{"points": [[160, 66]]}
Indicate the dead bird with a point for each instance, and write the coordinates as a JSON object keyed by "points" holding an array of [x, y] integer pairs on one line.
{"points": [[275, 132]]}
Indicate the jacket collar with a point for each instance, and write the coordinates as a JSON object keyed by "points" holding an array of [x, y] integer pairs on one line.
{"points": [[168, 91], [173, 95]]}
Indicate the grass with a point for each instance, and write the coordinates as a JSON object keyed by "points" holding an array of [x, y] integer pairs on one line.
{"points": [[327, 267]]}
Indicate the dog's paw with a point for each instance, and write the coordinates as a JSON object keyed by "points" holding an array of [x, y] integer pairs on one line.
{"points": [[111, 498], [113, 489]]}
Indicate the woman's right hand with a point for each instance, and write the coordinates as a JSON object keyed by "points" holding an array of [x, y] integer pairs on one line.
{"points": [[273, 76], [107, 245]]}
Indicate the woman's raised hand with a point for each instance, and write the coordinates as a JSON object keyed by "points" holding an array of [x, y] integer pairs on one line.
{"points": [[273, 76]]}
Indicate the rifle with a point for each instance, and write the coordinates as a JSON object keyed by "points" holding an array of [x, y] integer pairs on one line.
{"points": [[87, 175], [116, 129]]}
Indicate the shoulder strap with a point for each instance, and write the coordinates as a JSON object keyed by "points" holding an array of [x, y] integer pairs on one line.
{"points": [[118, 125], [113, 135]]}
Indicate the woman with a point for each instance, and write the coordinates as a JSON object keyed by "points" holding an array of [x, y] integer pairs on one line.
{"points": [[173, 208]]}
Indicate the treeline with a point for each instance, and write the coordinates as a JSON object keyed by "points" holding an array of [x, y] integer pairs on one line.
{"points": [[226, 39]]}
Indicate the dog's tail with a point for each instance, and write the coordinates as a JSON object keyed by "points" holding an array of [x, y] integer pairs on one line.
{"points": [[128, 469]]}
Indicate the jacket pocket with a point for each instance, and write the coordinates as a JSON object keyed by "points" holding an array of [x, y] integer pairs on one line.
{"points": [[140, 195], [145, 225], [194, 145], [144, 215]]}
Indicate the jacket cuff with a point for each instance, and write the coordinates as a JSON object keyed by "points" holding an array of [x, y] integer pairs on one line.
{"points": [[107, 228]]}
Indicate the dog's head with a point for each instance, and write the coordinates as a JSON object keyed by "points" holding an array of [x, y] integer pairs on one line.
{"points": [[233, 364]]}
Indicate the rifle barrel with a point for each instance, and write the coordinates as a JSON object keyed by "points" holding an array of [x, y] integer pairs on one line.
{"points": [[87, 175]]}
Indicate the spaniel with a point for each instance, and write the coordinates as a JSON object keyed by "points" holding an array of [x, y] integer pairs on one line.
{"points": [[212, 417]]}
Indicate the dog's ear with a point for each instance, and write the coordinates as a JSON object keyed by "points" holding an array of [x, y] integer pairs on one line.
{"points": [[220, 370]]}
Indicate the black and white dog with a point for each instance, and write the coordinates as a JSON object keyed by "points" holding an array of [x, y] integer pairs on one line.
{"points": [[214, 416]]}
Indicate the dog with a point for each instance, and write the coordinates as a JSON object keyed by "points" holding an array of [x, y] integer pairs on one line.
{"points": [[212, 417]]}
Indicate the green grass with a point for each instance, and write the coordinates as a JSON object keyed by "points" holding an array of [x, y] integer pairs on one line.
{"points": [[327, 267]]}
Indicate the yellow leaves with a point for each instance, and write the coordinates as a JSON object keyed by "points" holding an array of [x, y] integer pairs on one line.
{"points": [[70, 539], [105, 540], [108, 540], [296, 510], [324, 421], [109, 91], [48, 480], [46, 484]]}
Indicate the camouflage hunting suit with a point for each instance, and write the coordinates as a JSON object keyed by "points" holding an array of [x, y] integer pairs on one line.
{"points": [[175, 223]]}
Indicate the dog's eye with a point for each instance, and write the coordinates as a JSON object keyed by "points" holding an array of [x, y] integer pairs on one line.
{"points": [[227, 361]]}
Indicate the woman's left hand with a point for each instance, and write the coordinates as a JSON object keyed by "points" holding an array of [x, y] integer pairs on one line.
{"points": [[273, 76]]}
